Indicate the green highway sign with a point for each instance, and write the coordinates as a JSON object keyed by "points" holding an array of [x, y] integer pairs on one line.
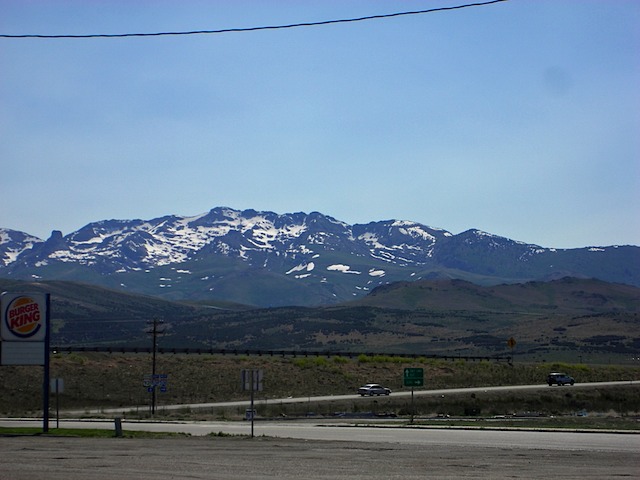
{"points": [[413, 377]]}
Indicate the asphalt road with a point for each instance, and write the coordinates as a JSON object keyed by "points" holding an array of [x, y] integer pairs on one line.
{"points": [[376, 432], [327, 398]]}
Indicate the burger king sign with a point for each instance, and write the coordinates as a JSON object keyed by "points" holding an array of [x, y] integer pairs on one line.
{"points": [[23, 317]]}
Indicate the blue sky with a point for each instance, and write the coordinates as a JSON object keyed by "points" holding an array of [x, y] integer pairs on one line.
{"points": [[520, 118]]}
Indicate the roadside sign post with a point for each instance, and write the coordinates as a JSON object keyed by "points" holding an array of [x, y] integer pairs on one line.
{"points": [[57, 387], [26, 338], [152, 382], [251, 380], [413, 377]]}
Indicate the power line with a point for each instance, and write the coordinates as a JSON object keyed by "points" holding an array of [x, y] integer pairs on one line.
{"points": [[253, 29]]}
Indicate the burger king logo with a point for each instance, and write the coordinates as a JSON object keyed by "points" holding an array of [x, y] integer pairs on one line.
{"points": [[23, 316]]}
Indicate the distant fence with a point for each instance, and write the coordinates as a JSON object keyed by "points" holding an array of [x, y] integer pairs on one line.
{"points": [[276, 353]]}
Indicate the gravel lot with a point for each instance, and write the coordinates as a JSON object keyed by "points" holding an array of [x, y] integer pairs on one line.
{"points": [[230, 458]]}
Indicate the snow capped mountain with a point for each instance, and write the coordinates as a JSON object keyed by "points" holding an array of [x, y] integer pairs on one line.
{"points": [[13, 244], [117, 245], [268, 259]]}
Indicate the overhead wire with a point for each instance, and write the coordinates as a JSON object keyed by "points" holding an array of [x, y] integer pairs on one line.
{"points": [[253, 29]]}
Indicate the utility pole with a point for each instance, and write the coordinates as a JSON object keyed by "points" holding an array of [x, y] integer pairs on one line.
{"points": [[154, 348]]}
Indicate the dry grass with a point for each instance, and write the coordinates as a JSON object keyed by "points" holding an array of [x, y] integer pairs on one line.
{"points": [[105, 381]]}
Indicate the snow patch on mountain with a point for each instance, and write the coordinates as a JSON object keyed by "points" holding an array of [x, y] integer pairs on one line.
{"points": [[342, 269], [413, 230], [303, 266], [372, 240]]}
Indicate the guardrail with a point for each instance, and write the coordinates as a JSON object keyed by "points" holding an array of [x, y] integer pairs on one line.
{"points": [[274, 353]]}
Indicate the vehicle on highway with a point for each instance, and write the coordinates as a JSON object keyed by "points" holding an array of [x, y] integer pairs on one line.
{"points": [[373, 389], [560, 379]]}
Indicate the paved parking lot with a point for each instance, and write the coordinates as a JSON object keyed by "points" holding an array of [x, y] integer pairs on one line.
{"points": [[230, 458]]}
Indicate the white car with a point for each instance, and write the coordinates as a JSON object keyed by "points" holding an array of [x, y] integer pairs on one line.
{"points": [[373, 389]]}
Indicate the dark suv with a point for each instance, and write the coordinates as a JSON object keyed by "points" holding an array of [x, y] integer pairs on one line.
{"points": [[560, 379]]}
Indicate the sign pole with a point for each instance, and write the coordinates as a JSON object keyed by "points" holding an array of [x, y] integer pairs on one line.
{"points": [[251, 380], [413, 377], [57, 387], [47, 365], [253, 375], [413, 410], [57, 404]]}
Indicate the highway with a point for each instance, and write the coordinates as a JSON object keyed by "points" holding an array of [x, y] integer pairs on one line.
{"points": [[354, 431], [330, 398], [315, 450]]}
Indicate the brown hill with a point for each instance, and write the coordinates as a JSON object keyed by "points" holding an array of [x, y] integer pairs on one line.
{"points": [[567, 295], [569, 319]]}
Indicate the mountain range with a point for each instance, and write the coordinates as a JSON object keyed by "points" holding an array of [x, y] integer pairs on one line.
{"points": [[266, 259]]}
